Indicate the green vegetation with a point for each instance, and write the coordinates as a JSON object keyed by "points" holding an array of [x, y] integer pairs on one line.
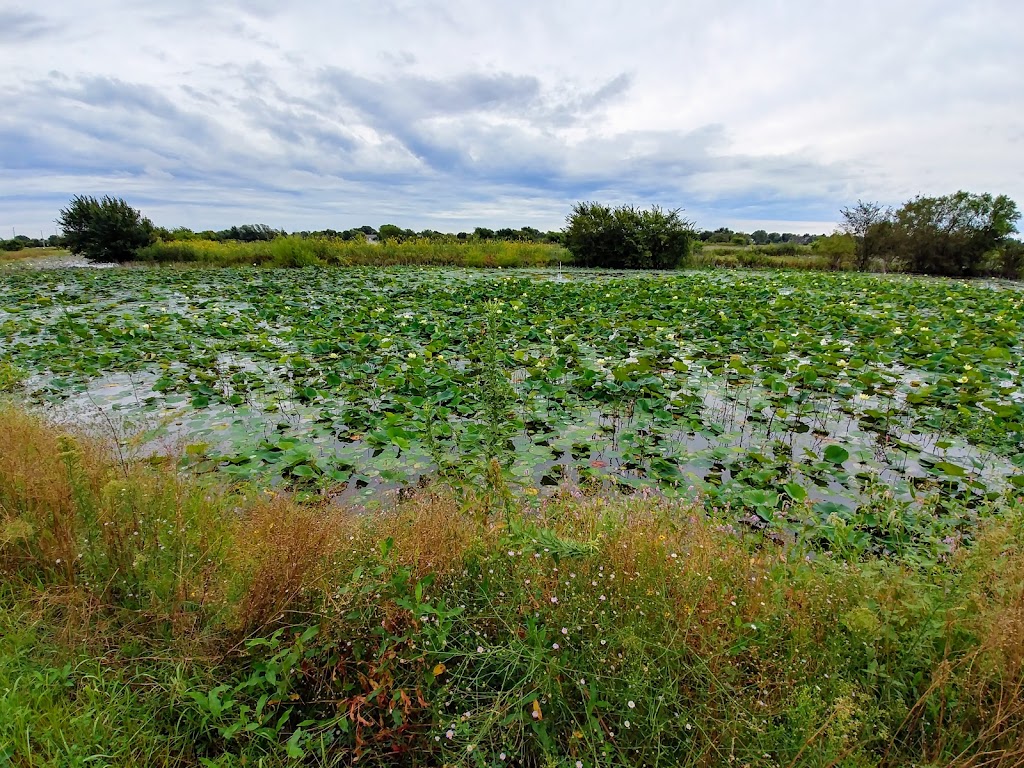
{"points": [[107, 230], [295, 251], [961, 235], [627, 237], [851, 410], [152, 619], [523, 517]]}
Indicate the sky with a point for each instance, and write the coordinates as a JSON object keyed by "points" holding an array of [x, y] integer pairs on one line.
{"points": [[313, 114]]}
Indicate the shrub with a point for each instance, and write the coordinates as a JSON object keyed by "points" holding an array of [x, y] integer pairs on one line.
{"points": [[627, 237], [107, 230]]}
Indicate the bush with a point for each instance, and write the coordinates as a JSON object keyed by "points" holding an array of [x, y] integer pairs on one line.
{"points": [[627, 237], [107, 230]]}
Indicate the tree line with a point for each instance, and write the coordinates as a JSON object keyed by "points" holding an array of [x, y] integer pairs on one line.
{"points": [[248, 233], [956, 235], [959, 235]]}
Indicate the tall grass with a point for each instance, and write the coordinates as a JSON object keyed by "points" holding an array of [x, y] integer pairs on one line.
{"points": [[783, 256], [302, 252], [148, 618], [30, 253]]}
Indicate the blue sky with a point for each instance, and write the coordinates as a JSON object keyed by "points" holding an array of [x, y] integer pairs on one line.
{"points": [[449, 115]]}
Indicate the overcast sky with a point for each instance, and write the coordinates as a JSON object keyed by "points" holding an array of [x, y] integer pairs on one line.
{"points": [[449, 115]]}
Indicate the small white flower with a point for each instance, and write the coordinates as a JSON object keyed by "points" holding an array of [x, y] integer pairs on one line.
{"points": [[555, 646], [449, 734], [479, 649], [631, 704], [627, 724]]}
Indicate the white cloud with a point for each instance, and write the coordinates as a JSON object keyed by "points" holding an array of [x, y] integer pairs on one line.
{"points": [[455, 114]]}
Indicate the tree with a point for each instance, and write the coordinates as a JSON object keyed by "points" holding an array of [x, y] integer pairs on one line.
{"points": [[391, 232], [627, 237], [106, 230], [861, 221], [760, 237], [954, 234]]}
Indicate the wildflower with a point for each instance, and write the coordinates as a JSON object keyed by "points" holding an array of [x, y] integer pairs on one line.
{"points": [[502, 756], [579, 764], [631, 704], [554, 600], [411, 355], [479, 649], [555, 646], [627, 724], [449, 734]]}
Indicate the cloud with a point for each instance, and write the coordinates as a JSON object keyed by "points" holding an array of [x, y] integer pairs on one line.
{"points": [[23, 27], [457, 114]]}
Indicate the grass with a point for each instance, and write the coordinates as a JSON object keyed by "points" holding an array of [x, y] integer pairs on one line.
{"points": [[153, 618], [30, 253], [296, 251], [726, 256]]}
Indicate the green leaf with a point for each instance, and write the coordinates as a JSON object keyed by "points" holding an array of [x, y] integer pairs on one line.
{"points": [[836, 454]]}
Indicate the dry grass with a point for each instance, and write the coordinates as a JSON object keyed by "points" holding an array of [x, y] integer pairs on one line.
{"points": [[282, 552]]}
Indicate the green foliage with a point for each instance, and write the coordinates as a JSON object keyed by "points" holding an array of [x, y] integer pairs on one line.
{"points": [[951, 235], [627, 237], [11, 377], [107, 230], [297, 251], [723, 385], [839, 249]]}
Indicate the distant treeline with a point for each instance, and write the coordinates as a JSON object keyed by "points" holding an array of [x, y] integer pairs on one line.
{"points": [[726, 236], [957, 235], [253, 233], [19, 242]]}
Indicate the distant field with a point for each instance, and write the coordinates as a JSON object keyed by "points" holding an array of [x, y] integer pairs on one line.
{"points": [[31, 253]]}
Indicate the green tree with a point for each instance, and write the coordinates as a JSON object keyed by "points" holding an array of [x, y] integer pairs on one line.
{"points": [[861, 221], [760, 237], [954, 234], [627, 237], [106, 230], [391, 232]]}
